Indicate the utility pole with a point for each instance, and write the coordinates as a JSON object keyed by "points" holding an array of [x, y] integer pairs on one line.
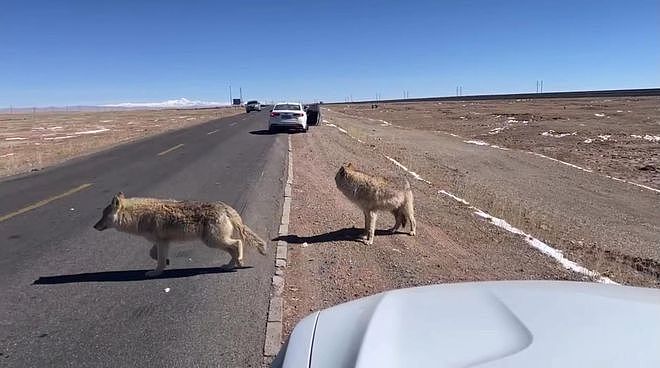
{"points": [[231, 100], [240, 90], [541, 85], [460, 91]]}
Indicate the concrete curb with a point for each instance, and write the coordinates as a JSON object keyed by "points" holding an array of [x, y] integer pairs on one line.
{"points": [[274, 326]]}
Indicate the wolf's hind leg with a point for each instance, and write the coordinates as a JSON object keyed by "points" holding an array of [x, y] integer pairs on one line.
{"points": [[153, 253], [399, 220]]}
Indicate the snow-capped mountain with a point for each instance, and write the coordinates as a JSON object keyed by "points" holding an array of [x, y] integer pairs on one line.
{"points": [[181, 102]]}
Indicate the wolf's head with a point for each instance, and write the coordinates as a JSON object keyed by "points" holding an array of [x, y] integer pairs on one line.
{"points": [[110, 213], [343, 172]]}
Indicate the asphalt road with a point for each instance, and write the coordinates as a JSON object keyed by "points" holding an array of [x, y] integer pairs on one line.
{"points": [[73, 296]]}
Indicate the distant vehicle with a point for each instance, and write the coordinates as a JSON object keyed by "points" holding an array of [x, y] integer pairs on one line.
{"points": [[286, 116], [252, 106], [313, 114], [485, 324]]}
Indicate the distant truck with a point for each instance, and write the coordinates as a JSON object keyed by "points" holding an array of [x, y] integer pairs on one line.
{"points": [[236, 102]]}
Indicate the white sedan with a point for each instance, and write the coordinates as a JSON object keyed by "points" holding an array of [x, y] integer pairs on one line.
{"points": [[286, 116]]}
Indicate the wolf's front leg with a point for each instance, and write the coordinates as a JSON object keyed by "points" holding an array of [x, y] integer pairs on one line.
{"points": [[163, 249], [370, 226]]}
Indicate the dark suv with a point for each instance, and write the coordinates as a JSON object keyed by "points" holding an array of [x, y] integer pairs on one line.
{"points": [[252, 106]]}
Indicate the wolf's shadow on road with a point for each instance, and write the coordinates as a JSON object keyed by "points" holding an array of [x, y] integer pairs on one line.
{"points": [[345, 234], [131, 275]]}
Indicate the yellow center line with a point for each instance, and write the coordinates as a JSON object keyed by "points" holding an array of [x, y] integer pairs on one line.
{"points": [[171, 149], [215, 131], [44, 202]]}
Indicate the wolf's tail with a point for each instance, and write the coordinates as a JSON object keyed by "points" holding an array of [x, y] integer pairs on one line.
{"points": [[246, 233]]}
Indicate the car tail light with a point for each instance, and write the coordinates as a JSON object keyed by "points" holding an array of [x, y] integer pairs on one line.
{"points": [[297, 114], [273, 114]]}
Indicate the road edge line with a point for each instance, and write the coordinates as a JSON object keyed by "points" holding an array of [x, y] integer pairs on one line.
{"points": [[274, 322]]}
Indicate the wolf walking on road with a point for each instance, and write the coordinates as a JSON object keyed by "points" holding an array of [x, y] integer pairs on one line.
{"points": [[163, 221], [372, 194]]}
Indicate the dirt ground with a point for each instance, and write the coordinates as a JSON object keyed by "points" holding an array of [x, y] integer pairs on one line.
{"points": [[33, 141], [608, 226], [616, 136]]}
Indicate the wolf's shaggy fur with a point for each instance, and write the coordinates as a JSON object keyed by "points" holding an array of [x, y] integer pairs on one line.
{"points": [[373, 193], [162, 221]]}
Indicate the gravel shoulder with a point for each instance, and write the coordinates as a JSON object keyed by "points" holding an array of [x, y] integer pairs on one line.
{"points": [[608, 226]]}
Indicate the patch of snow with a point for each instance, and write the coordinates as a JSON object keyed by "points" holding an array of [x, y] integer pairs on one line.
{"points": [[477, 142], [633, 183], [652, 138], [454, 197], [93, 131], [414, 174], [59, 138], [544, 248], [588, 140], [619, 110], [599, 115], [552, 133], [561, 162], [636, 136], [167, 290], [496, 130], [55, 128], [15, 139], [604, 137], [106, 121], [7, 155]]}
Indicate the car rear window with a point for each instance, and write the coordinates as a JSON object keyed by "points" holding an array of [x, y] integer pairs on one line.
{"points": [[253, 102], [287, 107]]}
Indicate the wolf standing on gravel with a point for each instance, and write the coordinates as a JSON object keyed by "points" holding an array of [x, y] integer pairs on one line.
{"points": [[162, 221], [372, 194]]}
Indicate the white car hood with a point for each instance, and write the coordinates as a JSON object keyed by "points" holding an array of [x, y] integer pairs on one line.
{"points": [[491, 324]]}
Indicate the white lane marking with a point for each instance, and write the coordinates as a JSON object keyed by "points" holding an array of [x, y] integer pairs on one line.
{"points": [[171, 149], [212, 132], [537, 244], [234, 123]]}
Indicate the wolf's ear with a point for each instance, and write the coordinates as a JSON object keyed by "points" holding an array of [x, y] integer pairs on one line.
{"points": [[349, 165], [116, 200]]}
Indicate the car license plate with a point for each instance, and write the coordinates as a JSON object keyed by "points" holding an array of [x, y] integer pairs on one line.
{"points": [[286, 116]]}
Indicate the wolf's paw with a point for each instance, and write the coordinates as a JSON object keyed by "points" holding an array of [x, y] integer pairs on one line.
{"points": [[412, 233], [153, 273], [367, 241]]}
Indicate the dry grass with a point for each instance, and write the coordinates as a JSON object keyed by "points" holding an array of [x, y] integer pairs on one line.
{"points": [[33, 141]]}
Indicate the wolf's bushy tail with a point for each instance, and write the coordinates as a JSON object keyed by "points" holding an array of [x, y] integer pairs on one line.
{"points": [[246, 234]]}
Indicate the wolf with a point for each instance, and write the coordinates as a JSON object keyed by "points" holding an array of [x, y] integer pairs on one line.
{"points": [[372, 194], [162, 221]]}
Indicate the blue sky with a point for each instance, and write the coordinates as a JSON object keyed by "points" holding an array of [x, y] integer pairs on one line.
{"points": [[98, 52]]}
